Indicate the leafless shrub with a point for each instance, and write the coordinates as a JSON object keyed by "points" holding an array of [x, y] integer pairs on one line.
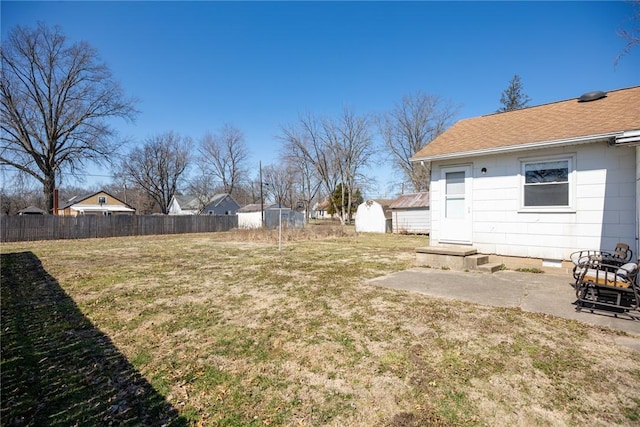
{"points": [[310, 232]]}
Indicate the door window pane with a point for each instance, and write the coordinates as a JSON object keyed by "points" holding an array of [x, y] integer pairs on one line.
{"points": [[455, 183], [455, 192], [454, 208]]}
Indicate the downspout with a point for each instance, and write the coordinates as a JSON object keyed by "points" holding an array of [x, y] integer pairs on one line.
{"points": [[637, 202]]}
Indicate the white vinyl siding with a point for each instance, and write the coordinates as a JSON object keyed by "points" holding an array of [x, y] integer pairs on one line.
{"points": [[602, 200], [417, 221]]}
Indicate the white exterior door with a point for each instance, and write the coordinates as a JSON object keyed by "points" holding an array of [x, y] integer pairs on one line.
{"points": [[456, 204]]}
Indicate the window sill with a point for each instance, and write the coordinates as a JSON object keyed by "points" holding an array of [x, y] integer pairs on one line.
{"points": [[548, 209]]}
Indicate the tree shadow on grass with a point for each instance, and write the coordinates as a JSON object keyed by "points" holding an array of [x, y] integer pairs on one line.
{"points": [[58, 369]]}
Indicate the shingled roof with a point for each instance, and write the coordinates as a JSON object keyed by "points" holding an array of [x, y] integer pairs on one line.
{"points": [[559, 122]]}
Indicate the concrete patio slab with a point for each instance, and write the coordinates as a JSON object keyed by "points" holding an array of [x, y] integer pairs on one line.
{"points": [[537, 293]]}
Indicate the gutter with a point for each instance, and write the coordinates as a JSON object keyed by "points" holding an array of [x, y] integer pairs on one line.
{"points": [[630, 138], [611, 138]]}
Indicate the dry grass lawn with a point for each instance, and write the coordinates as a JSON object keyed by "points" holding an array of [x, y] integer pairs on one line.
{"points": [[226, 330]]}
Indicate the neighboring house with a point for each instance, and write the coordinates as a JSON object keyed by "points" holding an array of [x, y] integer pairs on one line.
{"points": [[410, 214], [184, 205], [373, 216], [221, 204], [32, 210], [99, 203], [320, 210], [540, 182], [250, 216]]}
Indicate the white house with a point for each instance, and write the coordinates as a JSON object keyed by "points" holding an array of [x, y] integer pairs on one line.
{"points": [[410, 213], [220, 204], [540, 182], [320, 209], [373, 216], [184, 205]]}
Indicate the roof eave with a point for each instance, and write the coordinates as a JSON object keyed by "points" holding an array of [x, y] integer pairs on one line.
{"points": [[105, 208], [608, 137]]}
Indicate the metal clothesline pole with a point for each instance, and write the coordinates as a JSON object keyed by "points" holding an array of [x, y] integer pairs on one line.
{"points": [[280, 230]]}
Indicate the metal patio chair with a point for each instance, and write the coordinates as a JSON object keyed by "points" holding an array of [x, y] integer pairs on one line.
{"points": [[622, 254], [608, 287]]}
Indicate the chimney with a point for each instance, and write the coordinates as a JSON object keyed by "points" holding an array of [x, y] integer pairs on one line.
{"points": [[55, 201]]}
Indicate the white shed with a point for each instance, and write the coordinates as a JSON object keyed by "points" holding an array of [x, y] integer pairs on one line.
{"points": [[250, 216], [372, 217], [410, 214]]}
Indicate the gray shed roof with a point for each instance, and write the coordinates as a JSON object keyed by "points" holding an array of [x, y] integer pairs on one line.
{"points": [[253, 207], [187, 201], [256, 207], [216, 199], [411, 201]]}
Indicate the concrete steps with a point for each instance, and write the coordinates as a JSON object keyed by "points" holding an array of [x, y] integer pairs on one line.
{"points": [[490, 267], [455, 258], [481, 262]]}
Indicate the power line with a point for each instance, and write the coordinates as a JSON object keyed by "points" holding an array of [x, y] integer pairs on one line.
{"points": [[93, 175]]}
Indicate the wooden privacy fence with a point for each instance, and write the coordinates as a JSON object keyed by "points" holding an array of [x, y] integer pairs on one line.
{"points": [[51, 227]]}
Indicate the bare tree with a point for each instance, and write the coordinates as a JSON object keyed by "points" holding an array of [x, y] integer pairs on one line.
{"points": [[280, 180], [224, 157], [133, 195], [413, 123], [306, 140], [354, 150], [56, 99], [158, 166], [20, 194], [203, 185], [248, 192], [337, 150], [306, 182], [632, 35]]}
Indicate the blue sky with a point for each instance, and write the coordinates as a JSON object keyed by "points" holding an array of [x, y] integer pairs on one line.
{"points": [[195, 66]]}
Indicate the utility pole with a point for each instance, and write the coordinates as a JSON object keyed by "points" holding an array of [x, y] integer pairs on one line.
{"points": [[261, 197]]}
